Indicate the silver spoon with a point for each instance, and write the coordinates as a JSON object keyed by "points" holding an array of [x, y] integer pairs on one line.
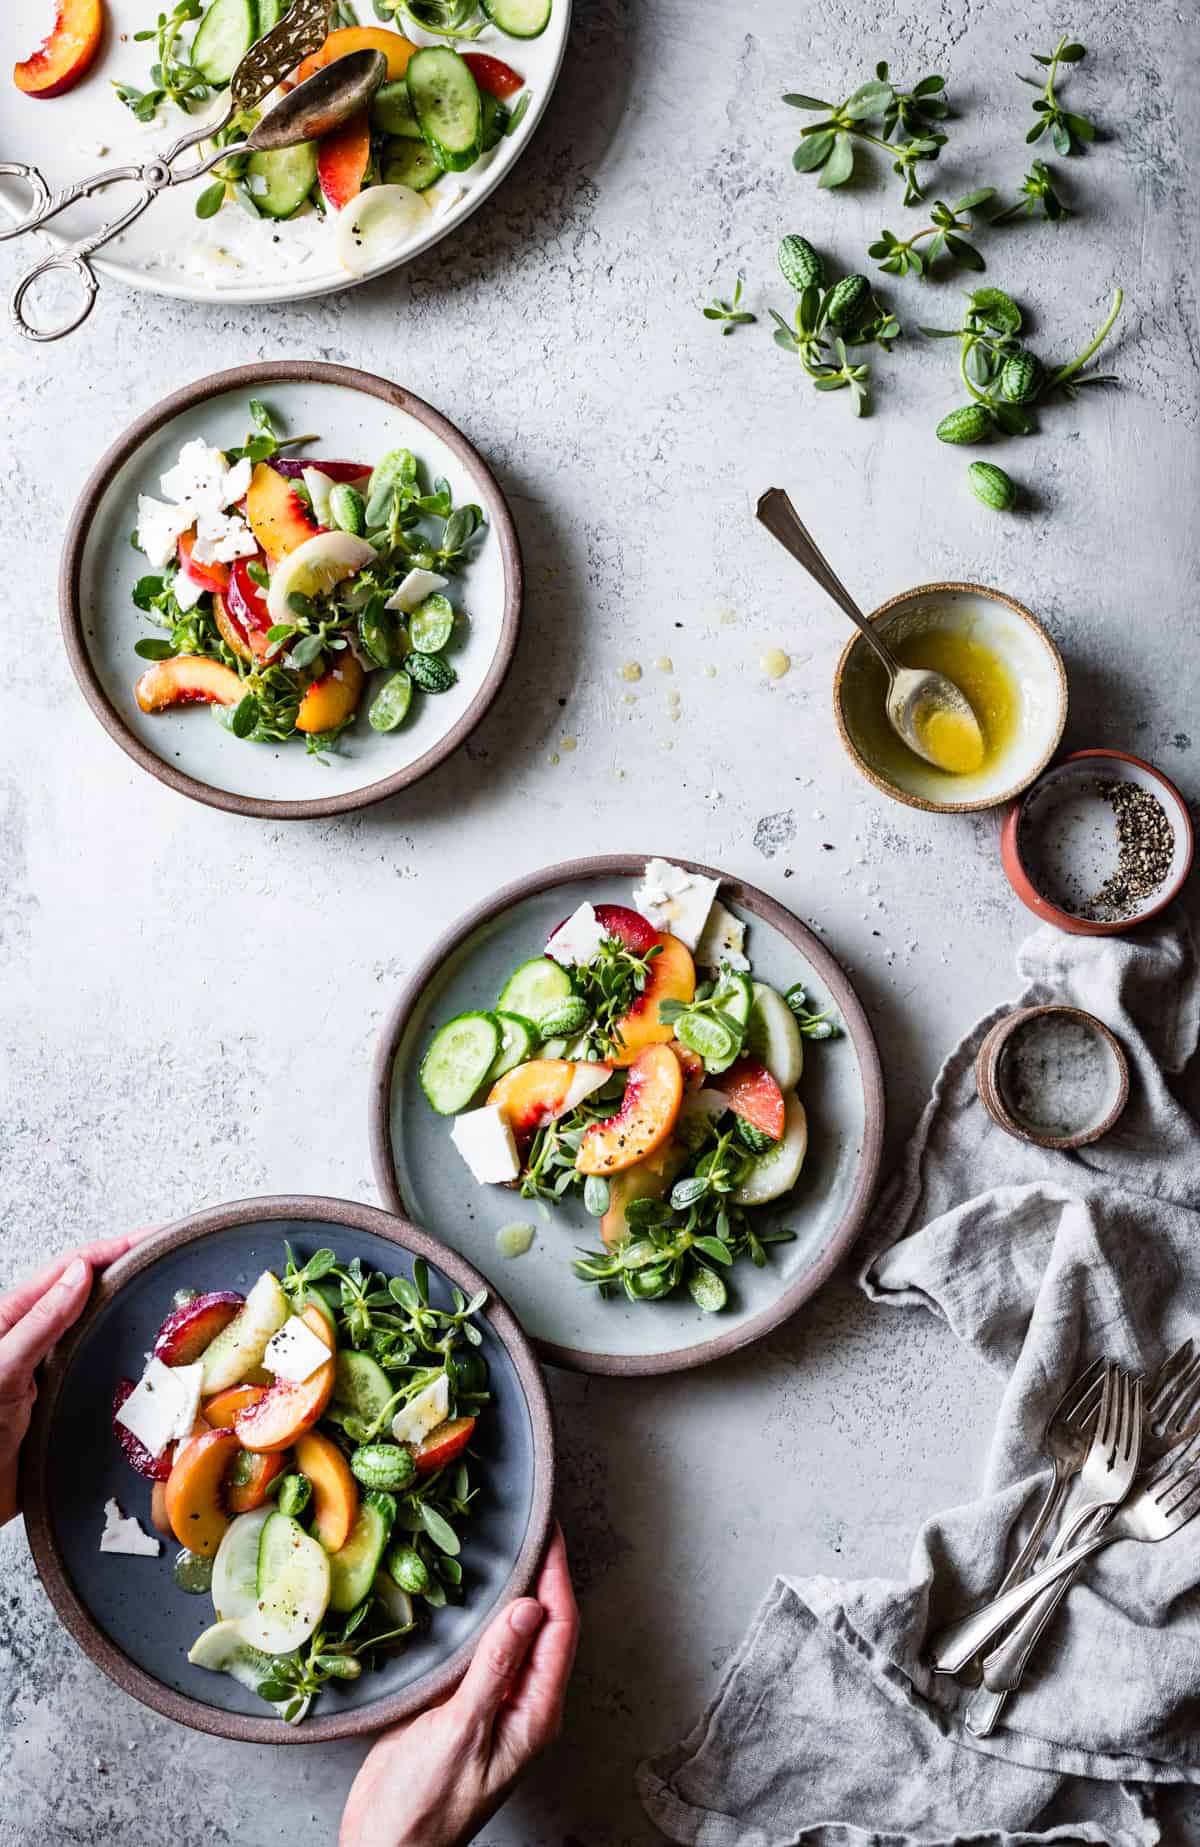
{"points": [[330, 96], [915, 694]]}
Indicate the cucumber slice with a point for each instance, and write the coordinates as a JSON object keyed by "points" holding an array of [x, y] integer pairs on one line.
{"points": [[413, 163], [240, 1346], [534, 988], [269, 12], [395, 1601], [353, 1568], [777, 1171], [519, 18], [235, 1568], [223, 38], [445, 101], [495, 121], [223, 1649], [554, 1048], [392, 111], [361, 1385], [293, 1587], [773, 1036], [458, 1060], [279, 180], [519, 1041]]}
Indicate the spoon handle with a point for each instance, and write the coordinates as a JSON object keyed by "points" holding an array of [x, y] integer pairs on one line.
{"points": [[776, 512]]}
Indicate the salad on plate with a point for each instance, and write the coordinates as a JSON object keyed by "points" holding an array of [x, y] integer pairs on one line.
{"points": [[308, 1448], [635, 1061], [297, 592]]}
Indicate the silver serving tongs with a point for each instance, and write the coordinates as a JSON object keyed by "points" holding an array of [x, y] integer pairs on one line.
{"points": [[320, 103]]}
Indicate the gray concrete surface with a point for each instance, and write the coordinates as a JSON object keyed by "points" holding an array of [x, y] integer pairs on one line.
{"points": [[156, 1058]]}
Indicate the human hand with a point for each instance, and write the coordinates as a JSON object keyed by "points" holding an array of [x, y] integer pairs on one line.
{"points": [[32, 1317], [435, 1780]]}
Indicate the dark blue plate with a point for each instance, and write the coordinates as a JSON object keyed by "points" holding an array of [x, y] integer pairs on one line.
{"points": [[127, 1613]]}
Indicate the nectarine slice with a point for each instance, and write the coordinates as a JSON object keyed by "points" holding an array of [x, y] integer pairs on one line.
{"points": [[396, 49], [187, 679], [334, 698], [223, 1407], [672, 977], [290, 1407], [645, 1118], [63, 57], [187, 1331], [543, 1089], [444, 1444], [754, 1095], [195, 1491], [647, 1179], [249, 1478], [335, 1491], [278, 519], [343, 157], [158, 1509], [213, 576]]}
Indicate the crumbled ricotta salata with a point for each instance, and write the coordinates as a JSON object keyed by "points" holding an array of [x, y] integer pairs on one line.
{"points": [[200, 490], [676, 901], [123, 1533]]}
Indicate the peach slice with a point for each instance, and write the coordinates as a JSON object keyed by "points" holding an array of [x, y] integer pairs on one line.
{"points": [[223, 1407], [187, 679], [648, 1179], [672, 977], [543, 1089], [444, 1444], [278, 519], [290, 1407], [334, 698], [396, 49], [187, 1331], [645, 1118], [343, 157], [209, 576], [158, 1509], [63, 57], [230, 631], [195, 1503], [335, 1491], [249, 1478]]}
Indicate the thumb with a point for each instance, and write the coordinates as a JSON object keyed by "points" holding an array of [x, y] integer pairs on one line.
{"points": [[499, 1657], [28, 1343]]}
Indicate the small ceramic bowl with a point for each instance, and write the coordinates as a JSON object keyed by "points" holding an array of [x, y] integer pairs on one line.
{"points": [[1059, 843], [1054, 1076], [1035, 667]]}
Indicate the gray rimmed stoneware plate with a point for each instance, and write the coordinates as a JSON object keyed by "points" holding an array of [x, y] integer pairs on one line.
{"points": [[355, 416], [127, 1613], [572, 1325], [232, 257]]}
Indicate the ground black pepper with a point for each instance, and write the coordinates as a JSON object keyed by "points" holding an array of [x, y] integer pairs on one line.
{"points": [[1146, 849]]}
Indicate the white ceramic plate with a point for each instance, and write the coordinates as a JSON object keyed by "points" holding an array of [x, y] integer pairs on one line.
{"points": [[231, 257], [357, 417], [419, 1171]]}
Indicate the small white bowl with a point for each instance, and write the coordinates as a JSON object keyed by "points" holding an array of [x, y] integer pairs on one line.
{"points": [[1013, 633]]}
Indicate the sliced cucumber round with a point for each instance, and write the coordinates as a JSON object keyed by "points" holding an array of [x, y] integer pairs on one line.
{"points": [[519, 18], [361, 1385], [413, 163], [223, 1649], [223, 38], [458, 1060], [734, 995], [293, 1587], [519, 1042], [353, 1568], [534, 988], [773, 1037], [269, 14], [396, 1602], [445, 101], [235, 1568], [279, 180], [777, 1171], [392, 111]]}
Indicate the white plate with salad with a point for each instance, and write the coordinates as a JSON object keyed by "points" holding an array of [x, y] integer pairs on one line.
{"points": [[291, 590], [114, 86], [643, 1098]]}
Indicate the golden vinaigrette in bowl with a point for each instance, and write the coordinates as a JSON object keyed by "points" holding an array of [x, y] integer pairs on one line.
{"points": [[1001, 658]]}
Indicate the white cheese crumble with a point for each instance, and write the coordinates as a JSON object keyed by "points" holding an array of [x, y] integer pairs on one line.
{"points": [[199, 489], [159, 1405], [413, 589], [122, 1533], [675, 901], [578, 939], [295, 1352], [723, 939], [484, 1138], [414, 1421]]}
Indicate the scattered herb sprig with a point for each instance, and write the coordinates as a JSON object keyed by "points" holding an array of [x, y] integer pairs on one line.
{"points": [[173, 76], [1069, 131], [899, 256], [1036, 191], [828, 146], [827, 321], [730, 313]]}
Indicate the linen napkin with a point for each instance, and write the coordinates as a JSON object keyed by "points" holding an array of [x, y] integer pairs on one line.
{"points": [[1066, 1255]]}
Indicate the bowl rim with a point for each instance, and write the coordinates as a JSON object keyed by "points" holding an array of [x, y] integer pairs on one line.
{"points": [[350, 1216], [920, 801], [769, 910], [217, 384], [991, 1091], [1032, 898]]}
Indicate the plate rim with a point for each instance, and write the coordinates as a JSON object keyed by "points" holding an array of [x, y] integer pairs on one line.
{"points": [[187, 397], [141, 283], [350, 1215], [760, 904]]}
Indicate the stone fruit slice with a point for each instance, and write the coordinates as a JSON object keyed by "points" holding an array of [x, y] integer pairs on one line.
{"points": [[63, 57], [187, 679], [542, 1090], [188, 1331], [753, 1094], [332, 699], [340, 44], [278, 518], [291, 1406], [672, 977], [645, 1118], [444, 1444], [195, 1491], [335, 1491]]}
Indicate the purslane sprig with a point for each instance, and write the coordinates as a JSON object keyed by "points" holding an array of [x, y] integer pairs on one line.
{"points": [[899, 256], [1069, 131], [828, 146], [828, 321], [1036, 191], [173, 77], [730, 313]]}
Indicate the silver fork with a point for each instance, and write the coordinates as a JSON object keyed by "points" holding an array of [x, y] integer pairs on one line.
{"points": [[1068, 1435], [1107, 1475], [1172, 1418]]}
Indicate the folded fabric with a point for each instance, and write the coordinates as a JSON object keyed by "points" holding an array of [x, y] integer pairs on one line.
{"points": [[1065, 1256]]}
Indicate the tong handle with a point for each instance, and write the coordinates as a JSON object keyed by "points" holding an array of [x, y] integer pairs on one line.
{"points": [[75, 259]]}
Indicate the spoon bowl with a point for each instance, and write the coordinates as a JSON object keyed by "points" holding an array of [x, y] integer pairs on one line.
{"points": [[321, 103]]}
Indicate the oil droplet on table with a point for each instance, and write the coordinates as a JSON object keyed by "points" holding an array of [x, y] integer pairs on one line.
{"points": [[514, 1240], [554, 757], [569, 743], [631, 670], [775, 663], [727, 618], [628, 698], [710, 673], [665, 664], [192, 1572]]}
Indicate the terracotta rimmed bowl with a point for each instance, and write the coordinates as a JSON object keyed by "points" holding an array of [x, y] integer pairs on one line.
{"points": [[127, 1614], [1059, 842], [570, 1324], [991, 1077], [355, 415], [1035, 668]]}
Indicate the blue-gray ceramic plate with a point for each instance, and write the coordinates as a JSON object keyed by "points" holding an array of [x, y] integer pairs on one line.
{"points": [[127, 1613], [573, 1325]]}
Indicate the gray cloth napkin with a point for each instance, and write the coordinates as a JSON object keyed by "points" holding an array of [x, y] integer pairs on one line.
{"points": [[853, 1739]]}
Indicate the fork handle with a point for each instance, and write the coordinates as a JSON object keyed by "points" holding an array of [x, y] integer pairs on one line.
{"points": [[953, 1646], [1022, 1565]]}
